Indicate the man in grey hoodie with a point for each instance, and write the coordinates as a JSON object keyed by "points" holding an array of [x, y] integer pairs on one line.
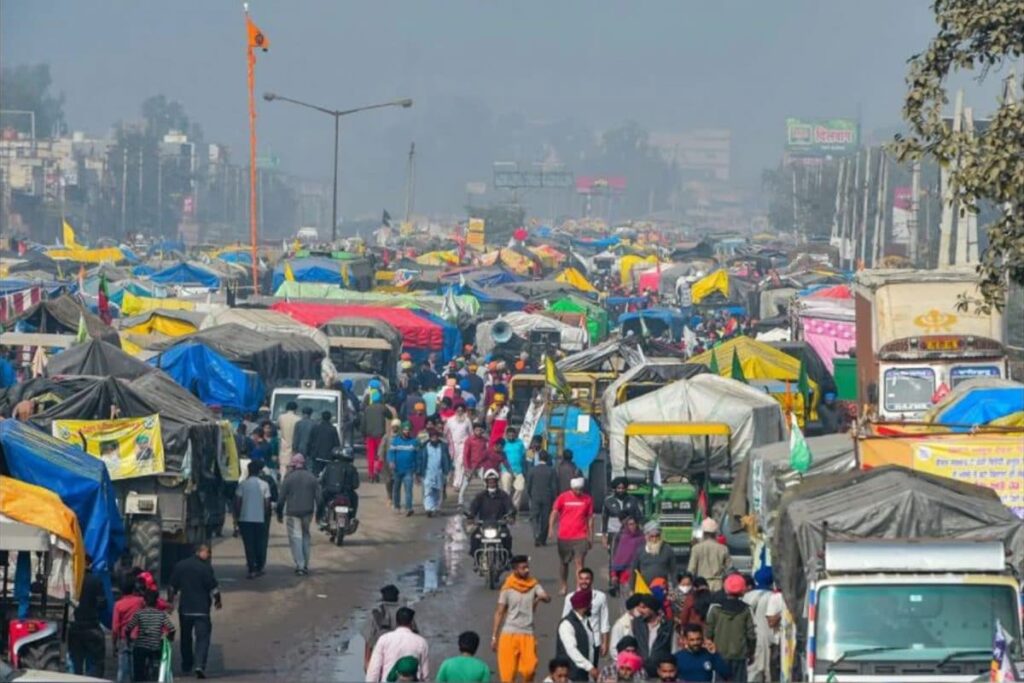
{"points": [[298, 498]]}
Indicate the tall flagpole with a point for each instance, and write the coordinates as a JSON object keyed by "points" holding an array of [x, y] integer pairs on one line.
{"points": [[253, 228]]}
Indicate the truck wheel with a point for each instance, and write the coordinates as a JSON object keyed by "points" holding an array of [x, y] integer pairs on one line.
{"points": [[144, 544], [43, 655]]}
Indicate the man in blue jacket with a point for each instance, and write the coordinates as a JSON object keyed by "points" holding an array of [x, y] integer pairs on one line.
{"points": [[404, 459], [697, 662], [435, 464]]}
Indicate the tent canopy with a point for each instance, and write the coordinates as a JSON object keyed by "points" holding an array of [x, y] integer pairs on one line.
{"points": [[61, 316], [97, 358], [263, 320], [611, 355], [596, 317], [717, 281], [187, 274], [754, 419], [430, 302], [211, 377], [170, 323], [652, 371], [571, 276]]}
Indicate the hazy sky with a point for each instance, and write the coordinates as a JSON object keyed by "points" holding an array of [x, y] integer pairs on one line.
{"points": [[670, 65]]}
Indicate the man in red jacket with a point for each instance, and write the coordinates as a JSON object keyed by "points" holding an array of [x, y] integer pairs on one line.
{"points": [[474, 454]]}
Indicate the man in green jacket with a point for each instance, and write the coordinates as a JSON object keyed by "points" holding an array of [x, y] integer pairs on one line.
{"points": [[730, 627]]}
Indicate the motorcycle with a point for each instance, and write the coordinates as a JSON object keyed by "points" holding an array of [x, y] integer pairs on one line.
{"points": [[340, 519], [491, 557]]}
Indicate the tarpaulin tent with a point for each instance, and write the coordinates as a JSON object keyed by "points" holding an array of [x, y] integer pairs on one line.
{"points": [[572, 276], [263, 320], [657, 321], [211, 377], [81, 481], [766, 473], [596, 317], [977, 402], [187, 274], [829, 326], [611, 355], [572, 337], [61, 316], [54, 524], [884, 503], [804, 352], [496, 298], [717, 281], [420, 333], [774, 371], [482, 276], [278, 358], [548, 255], [629, 263], [438, 258], [96, 358], [311, 269], [403, 299], [170, 323], [648, 376], [541, 290], [754, 418], [108, 254], [132, 304]]}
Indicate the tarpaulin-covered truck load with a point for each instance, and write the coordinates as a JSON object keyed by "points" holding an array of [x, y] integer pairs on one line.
{"points": [[897, 571], [212, 378]]}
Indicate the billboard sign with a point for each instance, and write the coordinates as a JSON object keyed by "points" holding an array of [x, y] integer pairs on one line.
{"points": [[901, 205], [820, 137]]}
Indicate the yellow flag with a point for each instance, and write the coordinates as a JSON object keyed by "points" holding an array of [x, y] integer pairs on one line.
{"points": [[289, 275], [69, 236], [555, 379], [640, 586]]}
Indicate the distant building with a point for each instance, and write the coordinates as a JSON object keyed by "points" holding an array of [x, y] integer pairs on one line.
{"points": [[701, 153]]}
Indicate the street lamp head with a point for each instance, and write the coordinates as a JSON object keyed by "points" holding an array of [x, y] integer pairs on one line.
{"points": [[269, 96], [405, 104]]}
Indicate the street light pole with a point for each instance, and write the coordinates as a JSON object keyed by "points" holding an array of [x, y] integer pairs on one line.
{"points": [[337, 114]]}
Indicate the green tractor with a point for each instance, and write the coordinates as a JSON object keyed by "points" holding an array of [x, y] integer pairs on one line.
{"points": [[677, 503]]}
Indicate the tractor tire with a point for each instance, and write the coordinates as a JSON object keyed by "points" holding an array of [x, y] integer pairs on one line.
{"points": [[44, 655], [145, 542]]}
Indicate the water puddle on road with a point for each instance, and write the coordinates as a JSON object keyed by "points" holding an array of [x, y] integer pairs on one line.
{"points": [[338, 655]]}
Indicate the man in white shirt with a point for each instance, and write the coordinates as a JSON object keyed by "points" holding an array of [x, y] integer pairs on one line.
{"points": [[392, 646], [286, 422], [577, 642], [598, 608], [252, 510]]}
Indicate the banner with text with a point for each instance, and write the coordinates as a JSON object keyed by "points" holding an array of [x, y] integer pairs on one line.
{"points": [[820, 137], [129, 447]]}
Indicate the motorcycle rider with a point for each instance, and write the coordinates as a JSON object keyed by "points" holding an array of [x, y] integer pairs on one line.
{"points": [[339, 476], [492, 505]]}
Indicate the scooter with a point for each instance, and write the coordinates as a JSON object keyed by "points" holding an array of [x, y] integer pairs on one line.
{"points": [[340, 518], [491, 558]]}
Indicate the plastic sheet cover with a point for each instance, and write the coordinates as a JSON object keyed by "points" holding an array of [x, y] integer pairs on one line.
{"points": [[211, 377]]}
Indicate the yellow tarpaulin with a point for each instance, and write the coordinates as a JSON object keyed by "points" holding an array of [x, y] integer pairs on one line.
{"points": [[129, 447], [134, 305], [111, 254], [39, 507], [228, 461], [438, 258], [519, 264], [718, 281], [549, 256], [571, 276], [129, 346], [161, 324], [763, 362], [630, 262]]}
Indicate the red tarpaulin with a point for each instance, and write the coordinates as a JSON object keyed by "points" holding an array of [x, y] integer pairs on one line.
{"points": [[836, 292], [416, 331]]}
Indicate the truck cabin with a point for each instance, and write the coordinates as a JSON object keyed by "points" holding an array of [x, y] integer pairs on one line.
{"points": [[674, 500], [915, 372], [363, 354], [910, 610]]}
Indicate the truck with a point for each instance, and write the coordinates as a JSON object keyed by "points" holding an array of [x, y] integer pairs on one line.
{"points": [[895, 575], [914, 344]]}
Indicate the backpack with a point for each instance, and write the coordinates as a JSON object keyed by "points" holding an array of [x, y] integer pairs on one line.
{"points": [[382, 620]]}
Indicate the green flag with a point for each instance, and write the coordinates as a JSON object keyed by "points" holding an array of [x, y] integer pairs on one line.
{"points": [[803, 386], [799, 453], [82, 334], [737, 367], [713, 366]]}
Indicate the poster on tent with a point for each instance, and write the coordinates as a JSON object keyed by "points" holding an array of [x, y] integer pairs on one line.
{"points": [[993, 462], [129, 447]]}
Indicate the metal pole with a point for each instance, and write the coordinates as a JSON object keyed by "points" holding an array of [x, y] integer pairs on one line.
{"points": [[334, 193], [159, 195], [124, 192]]}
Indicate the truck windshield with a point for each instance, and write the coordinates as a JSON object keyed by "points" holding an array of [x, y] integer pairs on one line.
{"points": [[926, 621], [909, 389], [318, 402]]}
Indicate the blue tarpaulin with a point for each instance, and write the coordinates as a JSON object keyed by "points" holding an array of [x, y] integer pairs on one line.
{"points": [[211, 377], [312, 269], [241, 257], [657, 320], [187, 275], [585, 445], [981, 405], [450, 334], [81, 481]]}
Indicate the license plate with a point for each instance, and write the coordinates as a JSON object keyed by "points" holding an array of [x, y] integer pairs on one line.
{"points": [[341, 510]]}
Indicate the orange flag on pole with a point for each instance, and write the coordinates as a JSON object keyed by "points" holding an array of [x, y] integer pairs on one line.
{"points": [[257, 39]]}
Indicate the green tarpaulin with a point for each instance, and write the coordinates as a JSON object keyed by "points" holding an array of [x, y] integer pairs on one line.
{"points": [[597, 317], [335, 294]]}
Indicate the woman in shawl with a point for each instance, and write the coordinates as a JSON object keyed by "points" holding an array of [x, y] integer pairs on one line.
{"points": [[628, 544]]}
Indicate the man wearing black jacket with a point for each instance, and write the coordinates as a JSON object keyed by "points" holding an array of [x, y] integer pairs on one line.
{"points": [[322, 440], [339, 476], [86, 642], [541, 491], [650, 619]]}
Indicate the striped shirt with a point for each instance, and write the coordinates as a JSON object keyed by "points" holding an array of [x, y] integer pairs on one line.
{"points": [[152, 624]]}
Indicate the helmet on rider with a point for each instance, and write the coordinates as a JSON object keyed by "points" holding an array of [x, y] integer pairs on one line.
{"points": [[491, 480], [337, 453]]}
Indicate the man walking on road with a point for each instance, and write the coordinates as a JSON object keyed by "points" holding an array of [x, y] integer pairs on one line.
{"points": [[474, 452], [403, 459], [598, 615], [467, 667], [709, 558], [301, 433], [195, 585], [513, 480], [574, 511], [576, 640], [382, 620], [396, 644], [541, 490], [286, 422], [298, 497], [375, 425], [435, 464], [513, 636], [252, 510], [731, 627], [567, 471]]}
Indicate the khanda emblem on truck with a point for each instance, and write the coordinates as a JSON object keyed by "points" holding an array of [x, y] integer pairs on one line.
{"points": [[935, 321]]}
